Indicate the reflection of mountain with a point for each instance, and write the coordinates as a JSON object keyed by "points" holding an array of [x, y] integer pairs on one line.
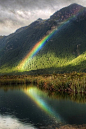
{"points": [[16, 103], [32, 106], [59, 53]]}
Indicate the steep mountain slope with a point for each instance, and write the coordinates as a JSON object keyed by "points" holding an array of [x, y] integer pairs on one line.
{"points": [[65, 46]]}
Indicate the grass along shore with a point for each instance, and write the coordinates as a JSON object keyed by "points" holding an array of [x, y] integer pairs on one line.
{"points": [[67, 82]]}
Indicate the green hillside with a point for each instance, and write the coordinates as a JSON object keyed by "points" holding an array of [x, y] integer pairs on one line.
{"points": [[65, 51]]}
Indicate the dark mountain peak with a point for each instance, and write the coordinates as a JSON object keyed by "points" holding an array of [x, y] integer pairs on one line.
{"points": [[66, 12], [75, 5], [39, 19], [36, 23]]}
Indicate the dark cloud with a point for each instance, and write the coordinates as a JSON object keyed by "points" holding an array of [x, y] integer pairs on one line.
{"points": [[17, 13], [36, 4], [28, 4]]}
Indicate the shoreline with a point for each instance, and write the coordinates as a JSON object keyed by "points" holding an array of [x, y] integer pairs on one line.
{"points": [[67, 82]]}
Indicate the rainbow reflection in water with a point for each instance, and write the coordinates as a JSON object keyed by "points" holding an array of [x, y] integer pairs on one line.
{"points": [[39, 98]]}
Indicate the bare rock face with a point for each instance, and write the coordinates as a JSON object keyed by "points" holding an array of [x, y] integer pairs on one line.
{"points": [[67, 12]]}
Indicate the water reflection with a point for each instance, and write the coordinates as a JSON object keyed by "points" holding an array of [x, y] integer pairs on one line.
{"points": [[40, 98], [7, 122], [16, 103], [28, 106], [62, 110]]}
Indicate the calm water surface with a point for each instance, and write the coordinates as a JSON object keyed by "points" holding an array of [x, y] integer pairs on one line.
{"points": [[31, 108]]}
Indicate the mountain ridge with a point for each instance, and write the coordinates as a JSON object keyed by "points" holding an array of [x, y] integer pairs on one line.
{"points": [[56, 55]]}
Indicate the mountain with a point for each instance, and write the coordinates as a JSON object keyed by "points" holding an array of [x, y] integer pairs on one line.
{"points": [[63, 50]]}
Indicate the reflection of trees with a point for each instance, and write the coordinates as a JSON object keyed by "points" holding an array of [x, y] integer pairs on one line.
{"points": [[13, 87], [79, 97]]}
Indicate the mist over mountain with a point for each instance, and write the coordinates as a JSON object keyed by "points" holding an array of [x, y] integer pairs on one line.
{"points": [[64, 52]]}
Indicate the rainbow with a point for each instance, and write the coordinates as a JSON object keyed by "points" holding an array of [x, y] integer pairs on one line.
{"points": [[35, 49], [22, 65], [35, 94]]}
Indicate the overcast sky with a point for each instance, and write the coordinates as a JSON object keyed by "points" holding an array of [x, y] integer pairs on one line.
{"points": [[17, 13]]}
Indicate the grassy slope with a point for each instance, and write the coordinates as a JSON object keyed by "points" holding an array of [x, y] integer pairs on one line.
{"points": [[52, 65]]}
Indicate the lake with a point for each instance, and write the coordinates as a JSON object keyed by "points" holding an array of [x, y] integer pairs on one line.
{"points": [[27, 107]]}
